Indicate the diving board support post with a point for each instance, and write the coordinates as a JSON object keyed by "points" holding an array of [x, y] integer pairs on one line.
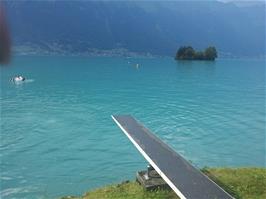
{"points": [[183, 178], [150, 179]]}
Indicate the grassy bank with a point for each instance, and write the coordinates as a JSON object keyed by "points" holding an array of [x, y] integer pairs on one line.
{"points": [[244, 183]]}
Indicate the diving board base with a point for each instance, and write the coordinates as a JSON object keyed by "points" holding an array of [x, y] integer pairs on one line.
{"points": [[149, 183]]}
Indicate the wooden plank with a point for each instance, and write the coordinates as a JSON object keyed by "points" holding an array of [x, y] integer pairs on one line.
{"points": [[187, 181]]}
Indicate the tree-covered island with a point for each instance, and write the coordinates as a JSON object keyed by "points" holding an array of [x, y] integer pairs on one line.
{"points": [[188, 53]]}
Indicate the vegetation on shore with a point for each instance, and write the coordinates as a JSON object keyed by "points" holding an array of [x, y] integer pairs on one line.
{"points": [[242, 183], [188, 53]]}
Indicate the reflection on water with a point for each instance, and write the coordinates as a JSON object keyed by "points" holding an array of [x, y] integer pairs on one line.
{"points": [[184, 66]]}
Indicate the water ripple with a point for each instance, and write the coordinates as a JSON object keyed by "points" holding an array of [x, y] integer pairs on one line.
{"points": [[57, 137]]}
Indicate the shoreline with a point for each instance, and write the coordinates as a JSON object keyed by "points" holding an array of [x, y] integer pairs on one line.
{"points": [[59, 50], [241, 183]]}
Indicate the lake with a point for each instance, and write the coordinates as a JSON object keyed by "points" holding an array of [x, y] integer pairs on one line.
{"points": [[58, 138]]}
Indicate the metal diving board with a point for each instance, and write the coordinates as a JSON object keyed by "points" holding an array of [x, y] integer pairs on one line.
{"points": [[185, 180]]}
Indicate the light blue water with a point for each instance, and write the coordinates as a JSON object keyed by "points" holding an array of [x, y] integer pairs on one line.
{"points": [[57, 136]]}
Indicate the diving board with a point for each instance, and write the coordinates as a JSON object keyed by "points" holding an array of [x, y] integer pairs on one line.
{"points": [[186, 181]]}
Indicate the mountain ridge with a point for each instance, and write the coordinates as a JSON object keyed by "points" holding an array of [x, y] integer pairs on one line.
{"points": [[139, 26]]}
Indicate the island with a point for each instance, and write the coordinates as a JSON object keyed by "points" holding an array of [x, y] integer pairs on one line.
{"points": [[188, 53]]}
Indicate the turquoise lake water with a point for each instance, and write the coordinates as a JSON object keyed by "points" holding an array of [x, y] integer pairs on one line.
{"points": [[58, 138]]}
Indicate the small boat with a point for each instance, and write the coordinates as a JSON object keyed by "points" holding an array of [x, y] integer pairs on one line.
{"points": [[18, 79]]}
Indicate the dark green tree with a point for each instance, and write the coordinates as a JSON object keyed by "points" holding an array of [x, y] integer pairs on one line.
{"points": [[180, 53], [210, 53], [199, 55], [189, 53], [185, 52]]}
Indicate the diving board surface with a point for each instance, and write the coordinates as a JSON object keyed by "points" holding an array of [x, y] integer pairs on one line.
{"points": [[187, 181]]}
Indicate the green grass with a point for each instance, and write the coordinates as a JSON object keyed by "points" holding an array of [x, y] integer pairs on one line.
{"points": [[242, 183]]}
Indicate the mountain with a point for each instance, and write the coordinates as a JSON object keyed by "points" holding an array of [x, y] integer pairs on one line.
{"points": [[156, 27], [245, 3]]}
